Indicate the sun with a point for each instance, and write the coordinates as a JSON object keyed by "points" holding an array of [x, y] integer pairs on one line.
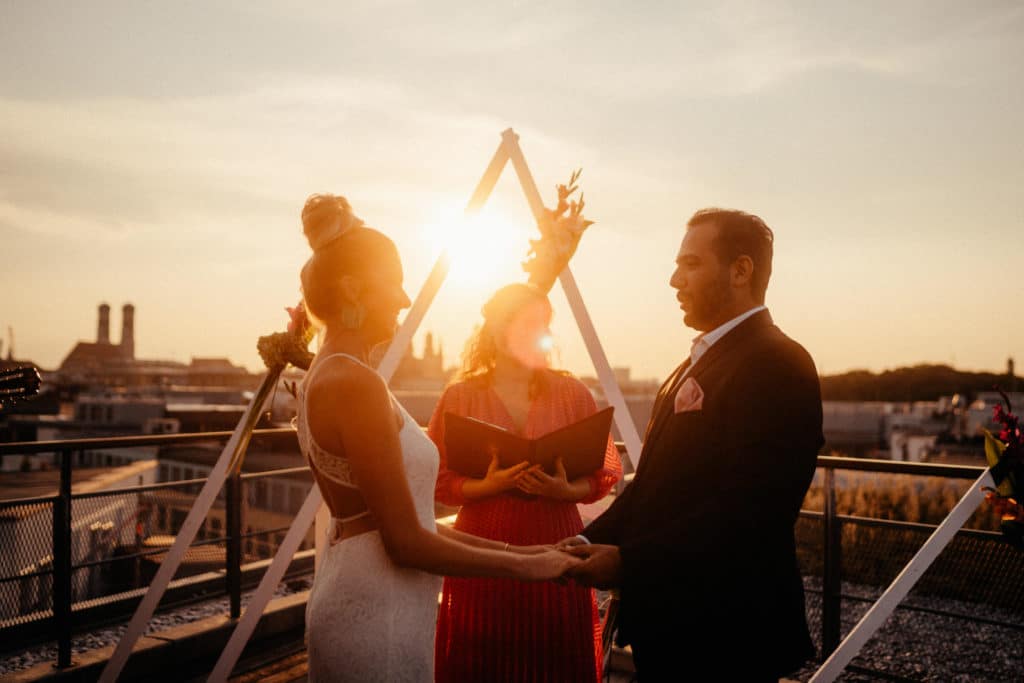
{"points": [[485, 249]]}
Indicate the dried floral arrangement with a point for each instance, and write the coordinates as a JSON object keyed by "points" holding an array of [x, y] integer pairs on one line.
{"points": [[560, 230]]}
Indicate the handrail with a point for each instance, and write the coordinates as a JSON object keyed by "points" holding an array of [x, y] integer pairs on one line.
{"points": [[63, 498], [283, 472], [25, 502], [824, 461], [143, 488], [30, 447], [897, 524], [923, 469]]}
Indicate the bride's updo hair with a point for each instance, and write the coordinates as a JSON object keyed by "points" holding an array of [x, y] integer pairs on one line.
{"points": [[341, 246]]}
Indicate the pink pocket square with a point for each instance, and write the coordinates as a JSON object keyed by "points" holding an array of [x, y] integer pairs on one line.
{"points": [[689, 397]]}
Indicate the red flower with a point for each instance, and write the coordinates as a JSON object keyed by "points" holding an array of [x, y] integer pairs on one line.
{"points": [[298, 320]]}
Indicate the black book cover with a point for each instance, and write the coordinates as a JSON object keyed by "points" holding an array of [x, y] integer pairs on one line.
{"points": [[470, 444]]}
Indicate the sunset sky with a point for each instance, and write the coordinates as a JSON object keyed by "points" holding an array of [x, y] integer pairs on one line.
{"points": [[160, 153]]}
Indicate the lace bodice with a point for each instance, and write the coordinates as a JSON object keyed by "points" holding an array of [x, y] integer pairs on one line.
{"points": [[419, 454], [334, 467]]}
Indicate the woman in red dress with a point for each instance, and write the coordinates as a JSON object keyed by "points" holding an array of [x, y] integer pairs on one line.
{"points": [[499, 629]]}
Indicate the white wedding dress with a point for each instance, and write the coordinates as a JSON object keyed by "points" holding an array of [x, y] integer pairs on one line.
{"points": [[367, 618]]}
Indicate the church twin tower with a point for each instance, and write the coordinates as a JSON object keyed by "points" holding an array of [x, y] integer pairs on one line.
{"points": [[127, 329]]}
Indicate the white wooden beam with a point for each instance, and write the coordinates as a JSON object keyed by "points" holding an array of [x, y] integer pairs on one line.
{"points": [[898, 589], [612, 391]]}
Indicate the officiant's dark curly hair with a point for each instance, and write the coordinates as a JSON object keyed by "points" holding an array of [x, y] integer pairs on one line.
{"points": [[741, 234], [481, 351]]}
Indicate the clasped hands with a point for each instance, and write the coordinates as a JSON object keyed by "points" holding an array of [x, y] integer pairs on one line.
{"points": [[531, 479], [596, 565], [601, 565]]}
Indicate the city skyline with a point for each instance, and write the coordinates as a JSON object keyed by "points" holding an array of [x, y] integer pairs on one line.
{"points": [[425, 345], [161, 156]]}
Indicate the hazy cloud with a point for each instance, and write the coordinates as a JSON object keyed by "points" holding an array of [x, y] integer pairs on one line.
{"points": [[179, 140]]}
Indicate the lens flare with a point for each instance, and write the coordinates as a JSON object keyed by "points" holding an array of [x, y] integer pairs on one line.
{"points": [[483, 250]]}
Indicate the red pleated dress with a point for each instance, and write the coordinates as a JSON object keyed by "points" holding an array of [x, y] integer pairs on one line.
{"points": [[502, 629]]}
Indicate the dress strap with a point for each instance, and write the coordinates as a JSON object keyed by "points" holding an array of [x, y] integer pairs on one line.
{"points": [[352, 518], [318, 361], [400, 412]]}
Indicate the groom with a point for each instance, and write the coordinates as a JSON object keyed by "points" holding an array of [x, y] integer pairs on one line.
{"points": [[701, 542]]}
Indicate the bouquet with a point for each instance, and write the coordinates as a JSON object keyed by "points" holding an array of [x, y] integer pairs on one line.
{"points": [[1005, 456], [292, 346]]}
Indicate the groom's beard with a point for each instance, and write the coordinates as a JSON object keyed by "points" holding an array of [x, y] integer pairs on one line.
{"points": [[708, 303]]}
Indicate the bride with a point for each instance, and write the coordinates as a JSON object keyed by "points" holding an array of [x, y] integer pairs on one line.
{"points": [[373, 606]]}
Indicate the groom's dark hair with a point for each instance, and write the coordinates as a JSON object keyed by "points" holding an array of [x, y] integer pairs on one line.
{"points": [[741, 234]]}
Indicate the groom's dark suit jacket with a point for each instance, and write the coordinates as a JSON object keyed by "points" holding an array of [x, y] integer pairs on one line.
{"points": [[705, 530]]}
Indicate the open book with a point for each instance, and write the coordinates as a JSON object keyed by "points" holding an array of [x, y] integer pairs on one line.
{"points": [[470, 444]]}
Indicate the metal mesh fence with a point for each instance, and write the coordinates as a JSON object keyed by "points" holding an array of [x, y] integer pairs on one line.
{"points": [[981, 569], [117, 542], [967, 608], [120, 539], [270, 503], [26, 562], [964, 620]]}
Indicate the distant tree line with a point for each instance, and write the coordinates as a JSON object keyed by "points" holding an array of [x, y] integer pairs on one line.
{"points": [[917, 383]]}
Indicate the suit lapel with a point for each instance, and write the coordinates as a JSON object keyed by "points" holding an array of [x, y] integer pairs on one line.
{"points": [[662, 407], [736, 337], [659, 412], [665, 403]]}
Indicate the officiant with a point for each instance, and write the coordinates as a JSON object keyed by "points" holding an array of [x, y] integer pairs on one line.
{"points": [[499, 629]]}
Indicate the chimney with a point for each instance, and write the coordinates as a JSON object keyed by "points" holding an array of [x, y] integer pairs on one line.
{"points": [[103, 329], [128, 331]]}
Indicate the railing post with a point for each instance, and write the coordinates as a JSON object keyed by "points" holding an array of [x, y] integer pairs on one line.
{"points": [[233, 550], [62, 562], [831, 601]]}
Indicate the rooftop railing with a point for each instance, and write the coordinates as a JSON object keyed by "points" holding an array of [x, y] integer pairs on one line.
{"points": [[73, 561], [81, 558]]}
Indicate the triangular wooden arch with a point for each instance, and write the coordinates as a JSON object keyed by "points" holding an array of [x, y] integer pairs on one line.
{"points": [[508, 150]]}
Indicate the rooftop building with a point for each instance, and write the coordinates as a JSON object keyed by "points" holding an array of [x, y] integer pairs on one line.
{"points": [[104, 364]]}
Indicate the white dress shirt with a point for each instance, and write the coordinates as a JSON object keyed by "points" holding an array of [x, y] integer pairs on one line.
{"points": [[704, 341], [701, 343]]}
